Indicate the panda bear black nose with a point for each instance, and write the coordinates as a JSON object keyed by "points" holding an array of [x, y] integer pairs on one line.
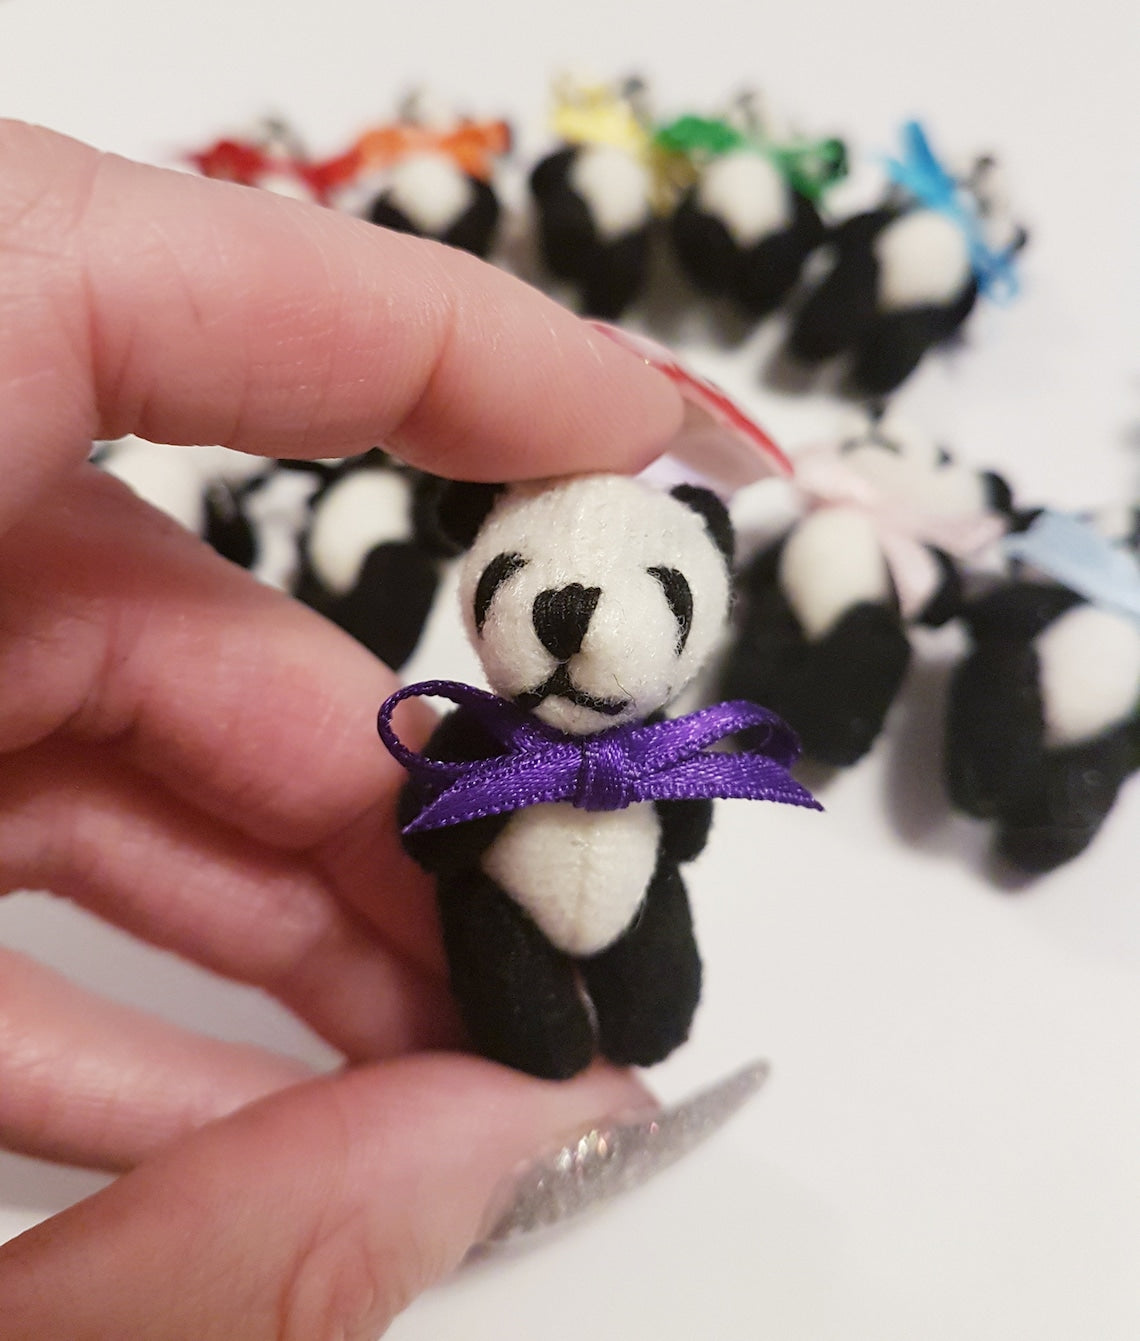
{"points": [[562, 617]]}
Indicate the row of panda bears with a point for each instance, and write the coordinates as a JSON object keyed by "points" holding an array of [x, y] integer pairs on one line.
{"points": [[742, 225], [822, 631], [1043, 715]]}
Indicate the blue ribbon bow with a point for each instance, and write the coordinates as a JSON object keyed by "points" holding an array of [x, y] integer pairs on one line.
{"points": [[920, 173], [1073, 553]]}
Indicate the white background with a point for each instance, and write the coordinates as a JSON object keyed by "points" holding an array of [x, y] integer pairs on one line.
{"points": [[949, 1147]]}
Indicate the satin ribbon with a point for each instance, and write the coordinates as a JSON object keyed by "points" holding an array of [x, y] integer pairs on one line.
{"points": [[665, 761], [1073, 553], [906, 533], [808, 166], [921, 174]]}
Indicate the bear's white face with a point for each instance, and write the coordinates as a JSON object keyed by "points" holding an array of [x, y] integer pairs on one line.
{"points": [[593, 601]]}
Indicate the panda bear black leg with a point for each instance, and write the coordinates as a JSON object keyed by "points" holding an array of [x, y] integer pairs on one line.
{"points": [[227, 529], [994, 728], [833, 691], [609, 270], [473, 229], [891, 348], [645, 987], [1063, 803], [388, 606], [836, 312], [519, 996], [768, 272]]}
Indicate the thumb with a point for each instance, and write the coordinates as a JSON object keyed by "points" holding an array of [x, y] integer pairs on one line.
{"points": [[321, 1211]]}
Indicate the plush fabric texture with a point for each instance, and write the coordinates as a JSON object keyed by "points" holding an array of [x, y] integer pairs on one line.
{"points": [[889, 296], [594, 224], [1043, 720], [591, 601], [820, 636]]}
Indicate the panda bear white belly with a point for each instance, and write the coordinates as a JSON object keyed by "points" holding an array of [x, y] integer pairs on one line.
{"points": [[831, 562], [431, 191], [747, 193], [616, 187], [1089, 663], [580, 874], [923, 261]]}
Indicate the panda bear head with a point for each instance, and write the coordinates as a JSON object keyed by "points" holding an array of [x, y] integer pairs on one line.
{"points": [[593, 601], [918, 474]]}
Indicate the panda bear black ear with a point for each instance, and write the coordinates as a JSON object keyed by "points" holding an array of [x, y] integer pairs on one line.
{"points": [[449, 513], [708, 506]]}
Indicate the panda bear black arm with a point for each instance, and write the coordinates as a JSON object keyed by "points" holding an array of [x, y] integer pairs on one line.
{"points": [[385, 215], [891, 346], [769, 270], [860, 230], [615, 274], [1061, 805], [838, 310], [954, 316], [684, 828], [946, 602], [388, 606], [999, 495], [1018, 611], [226, 529], [759, 573], [549, 174], [705, 250], [455, 846], [995, 728], [475, 229]]}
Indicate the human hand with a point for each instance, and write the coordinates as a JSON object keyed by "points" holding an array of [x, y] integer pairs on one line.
{"points": [[192, 756]]}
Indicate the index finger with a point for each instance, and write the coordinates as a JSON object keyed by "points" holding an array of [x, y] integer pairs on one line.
{"points": [[135, 299]]}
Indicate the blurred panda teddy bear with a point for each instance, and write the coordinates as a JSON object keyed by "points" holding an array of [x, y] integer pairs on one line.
{"points": [[352, 539], [1043, 720], [883, 524]]}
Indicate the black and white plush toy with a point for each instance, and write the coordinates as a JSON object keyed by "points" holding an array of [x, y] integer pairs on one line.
{"points": [[591, 603], [348, 538], [197, 486], [906, 275], [882, 524], [749, 221], [743, 233], [353, 539], [1043, 724], [594, 197], [430, 174]]}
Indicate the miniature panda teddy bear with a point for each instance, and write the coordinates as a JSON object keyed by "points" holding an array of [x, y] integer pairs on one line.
{"points": [[591, 603], [430, 174], [884, 521], [907, 274], [353, 539], [594, 195], [1043, 720], [745, 227]]}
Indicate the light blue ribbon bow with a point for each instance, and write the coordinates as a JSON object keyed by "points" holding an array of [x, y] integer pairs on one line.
{"points": [[920, 173], [1080, 558]]}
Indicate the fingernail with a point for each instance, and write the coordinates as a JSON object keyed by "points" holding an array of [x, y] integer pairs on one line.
{"points": [[617, 1156]]}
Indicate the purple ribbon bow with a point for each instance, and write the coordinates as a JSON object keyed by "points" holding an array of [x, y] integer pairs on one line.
{"points": [[665, 761]]}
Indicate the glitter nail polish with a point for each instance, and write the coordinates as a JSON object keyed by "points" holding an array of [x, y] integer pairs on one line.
{"points": [[615, 1157]]}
